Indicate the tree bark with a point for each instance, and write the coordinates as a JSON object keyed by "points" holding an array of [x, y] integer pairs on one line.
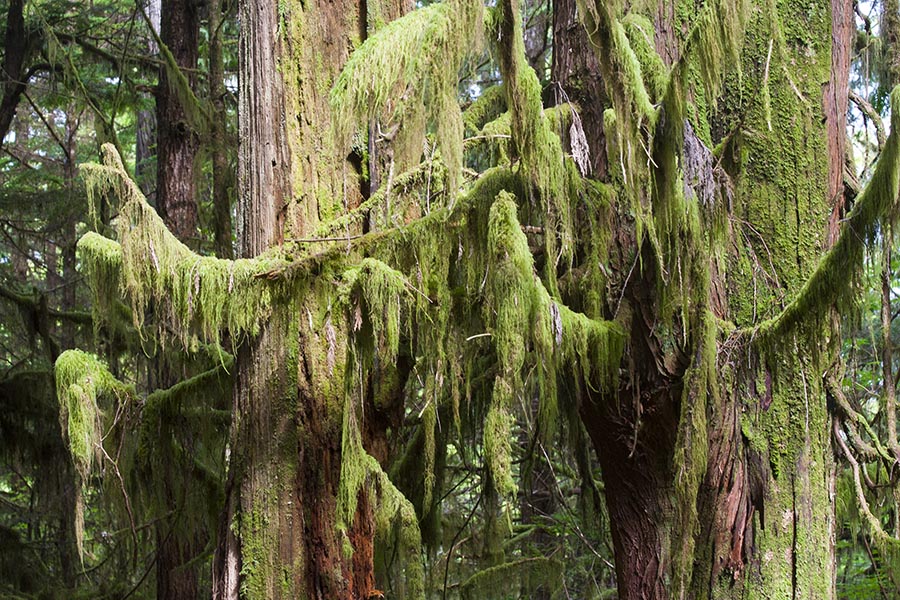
{"points": [[177, 142], [576, 73], [761, 521], [281, 535]]}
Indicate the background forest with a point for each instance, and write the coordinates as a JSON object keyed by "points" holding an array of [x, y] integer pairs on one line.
{"points": [[141, 515]]}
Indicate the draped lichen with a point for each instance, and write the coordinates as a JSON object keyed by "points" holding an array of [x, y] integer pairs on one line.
{"points": [[198, 295], [81, 379], [401, 74]]}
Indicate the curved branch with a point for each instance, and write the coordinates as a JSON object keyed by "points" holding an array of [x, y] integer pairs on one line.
{"points": [[829, 285]]}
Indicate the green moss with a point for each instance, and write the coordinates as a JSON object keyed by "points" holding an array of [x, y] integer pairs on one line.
{"points": [[383, 289], [489, 105], [395, 518], [534, 140], [196, 295], [522, 578], [655, 74], [691, 449], [81, 380], [400, 75]]}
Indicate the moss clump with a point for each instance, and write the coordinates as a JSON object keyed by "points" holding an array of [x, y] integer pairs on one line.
{"points": [[400, 75], [196, 295], [81, 380]]}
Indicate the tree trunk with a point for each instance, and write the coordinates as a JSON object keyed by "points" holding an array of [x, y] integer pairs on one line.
{"points": [[760, 520], [177, 145], [17, 45], [575, 70], [282, 538], [177, 141], [223, 178]]}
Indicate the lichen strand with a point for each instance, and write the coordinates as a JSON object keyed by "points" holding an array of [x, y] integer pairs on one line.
{"points": [[198, 296], [81, 380], [401, 74], [534, 140], [515, 302], [395, 517]]}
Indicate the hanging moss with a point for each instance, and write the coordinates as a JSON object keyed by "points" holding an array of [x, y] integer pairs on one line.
{"points": [[81, 379], [400, 75], [836, 280], [488, 106], [196, 295], [516, 302], [654, 73], [384, 289], [691, 450], [534, 140], [361, 473]]}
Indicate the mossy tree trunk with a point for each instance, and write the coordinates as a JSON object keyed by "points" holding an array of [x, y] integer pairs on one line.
{"points": [[280, 533], [719, 483], [177, 141], [177, 146]]}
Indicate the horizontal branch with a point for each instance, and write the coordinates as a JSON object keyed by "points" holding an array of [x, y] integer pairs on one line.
{"points": [[835, 281]]}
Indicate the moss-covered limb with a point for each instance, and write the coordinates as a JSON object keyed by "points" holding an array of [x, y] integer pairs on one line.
{"points": [[533, 138], [463, 216], [855, 418], [404, 184], [36, 301], [198, 295], [488, 106], [835, 281], [528, 575], [401, 75], [361, 473]]}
